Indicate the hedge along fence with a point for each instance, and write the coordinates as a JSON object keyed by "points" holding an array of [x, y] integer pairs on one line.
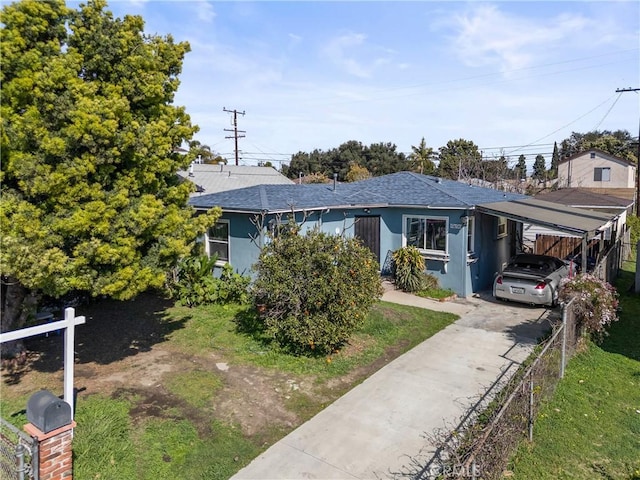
{"points": [[480, 446]]}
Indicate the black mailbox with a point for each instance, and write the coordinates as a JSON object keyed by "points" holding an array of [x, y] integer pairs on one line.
{"points": [[47, 412]]}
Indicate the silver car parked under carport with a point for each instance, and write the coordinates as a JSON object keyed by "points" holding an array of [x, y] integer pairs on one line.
{"points": [[532, 279]]}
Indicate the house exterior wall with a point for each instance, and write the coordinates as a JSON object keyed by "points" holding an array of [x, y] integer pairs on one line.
{"points": [[579, 172], [464, 273], [493, 250]]}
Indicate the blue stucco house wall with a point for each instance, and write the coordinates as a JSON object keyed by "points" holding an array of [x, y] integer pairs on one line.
{"points": [[462, 248]]}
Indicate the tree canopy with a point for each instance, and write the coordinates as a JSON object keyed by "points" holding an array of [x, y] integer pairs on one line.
{"points": [[377, 159], [521, 168], [460, 159], [421, 158], [204, 153], [539, 168], [90, 197], [619, 143]]}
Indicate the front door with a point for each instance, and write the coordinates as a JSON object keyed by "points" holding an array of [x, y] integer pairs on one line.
{"points": [[367, 229]]}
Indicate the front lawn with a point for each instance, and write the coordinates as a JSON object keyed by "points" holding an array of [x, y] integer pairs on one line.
{"points": [[177, 393]]}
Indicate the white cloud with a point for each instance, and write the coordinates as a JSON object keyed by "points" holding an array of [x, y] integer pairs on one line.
{"points": [[204, 11], [485, 35], [357, 56], [339, 50]]}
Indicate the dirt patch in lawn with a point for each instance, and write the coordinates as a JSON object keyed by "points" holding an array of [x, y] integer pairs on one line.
{"points": [[123, 352]]}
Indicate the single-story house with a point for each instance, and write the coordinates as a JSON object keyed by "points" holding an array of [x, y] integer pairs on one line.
{"points": [[596, 169], [210, 178], [463, 245], [462, 249]]}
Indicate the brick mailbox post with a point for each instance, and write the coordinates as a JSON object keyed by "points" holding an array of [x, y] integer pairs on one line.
{"points": [[51, 424]]}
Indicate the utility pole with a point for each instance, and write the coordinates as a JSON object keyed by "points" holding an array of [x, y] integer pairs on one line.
{"points": [[235, 130], [621, 90]]}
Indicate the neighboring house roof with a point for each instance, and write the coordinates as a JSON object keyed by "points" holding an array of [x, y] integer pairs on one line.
{"points": [[405, 189], [600, 153], [584, 198], [210, 178], [626, 193], [572, 220]]}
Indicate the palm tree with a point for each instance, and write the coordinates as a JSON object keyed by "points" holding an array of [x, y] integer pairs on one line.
{"points": [[420, 158]]}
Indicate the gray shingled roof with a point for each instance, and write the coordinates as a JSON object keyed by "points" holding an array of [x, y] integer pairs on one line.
{"points": [[398, 189], [219, 178]]}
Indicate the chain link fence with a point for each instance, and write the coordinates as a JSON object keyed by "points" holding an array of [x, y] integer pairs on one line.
{"points": [[18, 454], [481, 445]]}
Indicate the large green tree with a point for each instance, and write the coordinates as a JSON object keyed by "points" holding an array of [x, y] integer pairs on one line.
{"points": [[378, 159], [619, 143], [460, 159], [521, 168], [90, 197], [539, 168]]}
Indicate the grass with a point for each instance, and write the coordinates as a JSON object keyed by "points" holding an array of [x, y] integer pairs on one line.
{"points": [[436, 293], [217, 328], [128, 436], [196, 388], [591, 427]]}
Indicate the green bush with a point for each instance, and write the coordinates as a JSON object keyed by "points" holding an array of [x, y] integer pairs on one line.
{"points": [[316, 289], [408, 269], [193, 283], [594, 301], [634, 226]]}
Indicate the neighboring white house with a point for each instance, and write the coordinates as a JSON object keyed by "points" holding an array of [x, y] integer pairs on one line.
{"points": [[584, 199], [210, 178], [595, 169]]}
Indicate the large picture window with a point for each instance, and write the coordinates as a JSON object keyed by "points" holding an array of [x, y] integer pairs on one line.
{"points": [[425, 233], [218, 240]]}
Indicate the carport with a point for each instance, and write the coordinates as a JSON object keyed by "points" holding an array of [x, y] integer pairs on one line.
{"points": [[577, 222]]}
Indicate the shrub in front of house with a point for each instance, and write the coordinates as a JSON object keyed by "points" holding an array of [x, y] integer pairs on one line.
{"points": [[408, 269], [314, 289], [594, 300], [192, 283]]}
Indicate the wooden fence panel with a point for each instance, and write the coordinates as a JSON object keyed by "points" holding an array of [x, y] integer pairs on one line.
{"points": [[560, 247]]}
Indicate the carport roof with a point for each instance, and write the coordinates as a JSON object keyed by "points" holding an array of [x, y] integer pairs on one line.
{"points": [[573, 220]]}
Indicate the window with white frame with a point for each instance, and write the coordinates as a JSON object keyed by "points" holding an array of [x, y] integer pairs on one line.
{"points": [[501, 227], [602, 174], [428, 234], [471, 227], [218, 240]]}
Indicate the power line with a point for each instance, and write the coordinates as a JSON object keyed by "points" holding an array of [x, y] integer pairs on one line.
{"points": [[608, 112]]}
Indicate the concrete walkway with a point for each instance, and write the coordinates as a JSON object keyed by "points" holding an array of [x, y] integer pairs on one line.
{"points": [[374, 430]]}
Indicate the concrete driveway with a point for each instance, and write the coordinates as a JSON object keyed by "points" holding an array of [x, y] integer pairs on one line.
{"points": [[377, 428]]}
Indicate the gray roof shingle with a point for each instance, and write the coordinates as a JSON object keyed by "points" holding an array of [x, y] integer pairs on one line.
{"points": [[397, 189], [219, 178]]}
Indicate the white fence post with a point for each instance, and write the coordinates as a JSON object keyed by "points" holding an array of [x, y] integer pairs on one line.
{"points": [[69, 357]]}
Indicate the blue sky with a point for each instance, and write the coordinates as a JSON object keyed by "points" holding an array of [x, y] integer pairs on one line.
{"points": [[515, 76]]}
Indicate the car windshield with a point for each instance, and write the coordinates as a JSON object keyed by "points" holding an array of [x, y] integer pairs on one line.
{"points": [[532, 266]]}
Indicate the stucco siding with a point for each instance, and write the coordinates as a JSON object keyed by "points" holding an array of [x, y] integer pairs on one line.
{"points": [[579, 171], [456, 273]]}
